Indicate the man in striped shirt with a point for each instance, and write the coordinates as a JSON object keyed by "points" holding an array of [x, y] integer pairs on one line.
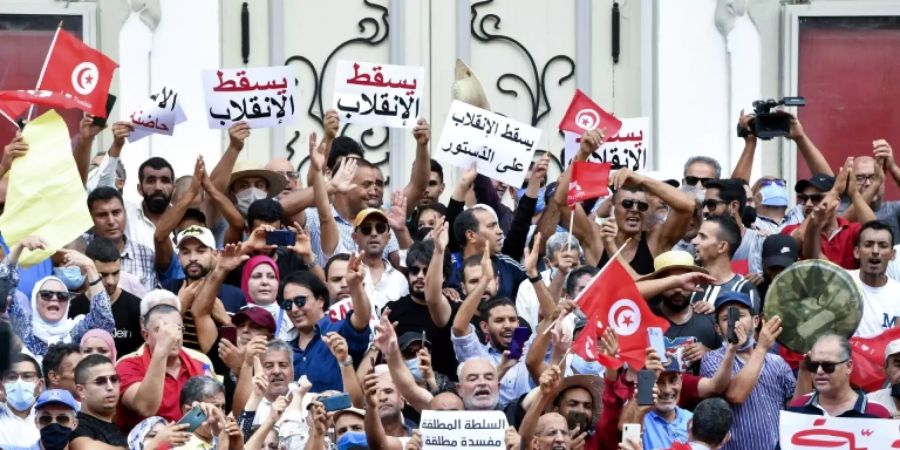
{"points": [[716, 243]]}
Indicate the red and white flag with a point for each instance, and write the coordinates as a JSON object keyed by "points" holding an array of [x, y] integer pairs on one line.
{"points": [[612, 297], [78, 71], [585, 345], [584, 115], [589, 180], [14, 103], [868, 359]]}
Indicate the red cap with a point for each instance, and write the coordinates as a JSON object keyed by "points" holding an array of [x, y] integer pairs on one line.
{"points": [[257, 315]]}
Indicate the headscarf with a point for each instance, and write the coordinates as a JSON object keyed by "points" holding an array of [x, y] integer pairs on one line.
{"points": [[251, 264], [51, 333], [141, 430], [104, 336]]}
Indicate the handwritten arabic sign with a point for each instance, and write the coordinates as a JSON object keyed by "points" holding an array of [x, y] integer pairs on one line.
{"points": [[158, 115], [501, 147], [378, 94], [802, 431], [629, 148], [479, 430], [262, 96]]}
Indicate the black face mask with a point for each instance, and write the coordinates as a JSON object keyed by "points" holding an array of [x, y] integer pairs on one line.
{"points": [[895, 390], [55, 436]]}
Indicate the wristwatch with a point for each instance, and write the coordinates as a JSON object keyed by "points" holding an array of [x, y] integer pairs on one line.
{"points": [[536, 278], [347, 362]]}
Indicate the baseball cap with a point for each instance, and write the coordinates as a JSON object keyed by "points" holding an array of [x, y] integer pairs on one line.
{"points": [[199, 233], [733, 297], [256, 315], [819, 181], [351, 410], [774, 195], [409, 337], [361, 217], [779, 250], [56, 396], [892, 348]]}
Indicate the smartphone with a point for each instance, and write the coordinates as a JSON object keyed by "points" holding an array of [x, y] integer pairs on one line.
{"points": [[517, 345], [336, 402], [733, 316], [579, 419], [658, 342], [110, 102], [194, 418], [646, 381], [228, 333], [631, 432], [281, 238]]}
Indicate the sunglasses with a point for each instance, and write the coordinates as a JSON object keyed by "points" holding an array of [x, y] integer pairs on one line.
{"points": [[366, 229], [47, 419], [103, 381], [776, 181], [712, 203], [815, 198], [47, 296], [632, 204], [827, 366], [298, 301], [414, 270], [693, 180]]}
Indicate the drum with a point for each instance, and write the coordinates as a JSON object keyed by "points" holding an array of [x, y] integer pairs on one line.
{"points": [[813, 297]]}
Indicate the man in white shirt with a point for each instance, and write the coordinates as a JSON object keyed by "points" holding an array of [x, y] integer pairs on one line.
{"points": [[382, 282], [887, 396], [22, 384], [874, 250]]}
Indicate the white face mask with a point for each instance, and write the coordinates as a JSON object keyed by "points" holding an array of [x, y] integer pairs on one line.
{"points": [[246, 198], [20, 394]]}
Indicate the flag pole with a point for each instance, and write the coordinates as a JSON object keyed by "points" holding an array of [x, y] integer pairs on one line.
{"points": [[571, 224], [44, 67]]}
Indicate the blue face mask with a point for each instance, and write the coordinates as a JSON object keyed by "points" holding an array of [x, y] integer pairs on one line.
{"points": [[70, 276], [20, 394], [413, 366]]}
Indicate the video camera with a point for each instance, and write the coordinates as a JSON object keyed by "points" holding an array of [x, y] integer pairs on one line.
{"points": [[767, 124]]}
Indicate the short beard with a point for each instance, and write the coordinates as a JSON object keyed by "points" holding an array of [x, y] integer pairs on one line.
{"points": [[671, 306]]}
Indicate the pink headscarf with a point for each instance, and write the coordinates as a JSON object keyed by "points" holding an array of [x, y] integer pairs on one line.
{"points": [[104, 336], [248, 269]]}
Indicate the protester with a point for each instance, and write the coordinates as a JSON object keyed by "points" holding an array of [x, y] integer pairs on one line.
{"points": [[886, 396], [59, 366], [54, 413], [99, 342], [716, 244], [709, 428], [383, 283], [22, 384], [98, 387]]}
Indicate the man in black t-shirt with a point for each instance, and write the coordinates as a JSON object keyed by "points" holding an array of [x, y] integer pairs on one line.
{"points": [[126, 308], [97, 384]]}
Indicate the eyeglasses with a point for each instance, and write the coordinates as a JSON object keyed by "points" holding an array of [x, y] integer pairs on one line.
{"points": [[61, 296], [47, 419], [12, 377], [769, 181], [104, 380], [298, 301], [414, 270], [827, 366], [712, 203], [293, 175], [863, 178], [815, 198], [366, 228], [631, 204], [693, 180]]}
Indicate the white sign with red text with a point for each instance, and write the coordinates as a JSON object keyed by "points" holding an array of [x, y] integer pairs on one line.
{"points": [[806, 432], [629, 148], [378, 94]]}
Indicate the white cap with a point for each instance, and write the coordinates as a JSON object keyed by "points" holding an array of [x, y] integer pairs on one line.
{"points": [[892, 348]]}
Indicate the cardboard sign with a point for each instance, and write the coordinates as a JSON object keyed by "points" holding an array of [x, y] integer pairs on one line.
{"points": [[806, 432], [158, 115], [262, 96], [479, 430], [629, 148], [378, 94], [501, 147]]}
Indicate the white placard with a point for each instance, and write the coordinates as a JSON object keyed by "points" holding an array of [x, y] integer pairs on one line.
{"points": [[629, 148], [502, 147], [479, 430], [261, 96], [158, 115], [378, 94], [804, 432]]}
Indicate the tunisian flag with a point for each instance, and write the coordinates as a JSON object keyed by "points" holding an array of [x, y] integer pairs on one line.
{"points": [[589, 180], [14, 103], [584, 115], [868, 359], [612, 297], [79, 72]]}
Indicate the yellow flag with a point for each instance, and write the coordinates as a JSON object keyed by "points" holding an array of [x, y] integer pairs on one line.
{"points": [[45, 195]]}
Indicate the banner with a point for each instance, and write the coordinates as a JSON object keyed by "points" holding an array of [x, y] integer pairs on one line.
{"points": [[501, 147], [53, 206], [479, 430], [261, 96], [802, 431], [158, 115], [629, 148], [378, 94]]}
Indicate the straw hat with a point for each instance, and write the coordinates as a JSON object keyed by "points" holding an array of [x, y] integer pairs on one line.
{"points": [[672, 260], [591, 383], [467, 87], [244, 168]]}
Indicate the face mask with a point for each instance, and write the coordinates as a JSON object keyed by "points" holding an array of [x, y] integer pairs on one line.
{"points": [[751, 341], [20, 394], [246, 198], [413, 366], [70, 276], [55, 436]]}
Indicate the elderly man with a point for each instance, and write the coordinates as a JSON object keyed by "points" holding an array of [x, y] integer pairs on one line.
{"points": [[551, 430], [828, 364], [277, 366], [97, 385], [869, 180], [562, 254], [54, 414], [889, 397], [666, 423], [209, 395]]}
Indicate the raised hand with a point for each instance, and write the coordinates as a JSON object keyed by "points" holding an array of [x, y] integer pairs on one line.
{"points": [[168, 337], [397, 215], [332, 124], [590, 141], [540, 168], [487, 268], [16, 148], [230, 257], [355, 271], [256, 242], [254, 349], [121, 130], [237, 134], [302, 245], [232, 356], [174, 434], [316, 153], [338, 346], [692, 281], [425, 364], [342, 181], [33, 242], [770, 331], [73, 258], [550, 379], [422, 132], [385, 335], [441, 235], [468, 177], [87, 130], [882, 151], [532, 255], [609, 343]]}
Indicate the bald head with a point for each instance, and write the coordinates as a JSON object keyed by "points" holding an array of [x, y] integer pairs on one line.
{"points": [[864, 171], [280, 165], [446, 401], [286, 169]]}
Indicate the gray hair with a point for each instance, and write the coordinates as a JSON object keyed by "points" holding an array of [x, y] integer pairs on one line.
{"points": [[199, 388], [277, 345], [558, 241], [842, 342], [704, 160], [459, 368]]}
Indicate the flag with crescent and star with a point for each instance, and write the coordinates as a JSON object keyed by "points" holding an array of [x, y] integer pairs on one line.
{"points": [[612, 299], [584, 115]]}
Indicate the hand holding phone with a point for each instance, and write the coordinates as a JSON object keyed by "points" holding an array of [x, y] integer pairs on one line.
{"points": [[517, 345], [281, 238], [194, 418], [646, 381], [228, 333], [631, 432], [733, 316], [336, 402], [658, 342]]}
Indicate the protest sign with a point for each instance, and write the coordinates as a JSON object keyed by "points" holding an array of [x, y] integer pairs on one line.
{"points": [[802, 431], [261, 96], [480, 430], [55, 206], [501, 147], [629, 148], [378, 94], [158, 115]]}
